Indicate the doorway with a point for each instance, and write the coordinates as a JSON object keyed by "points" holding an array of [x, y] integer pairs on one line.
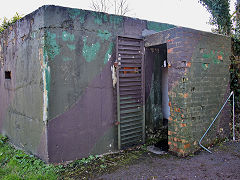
{"points": [[156, 84]]}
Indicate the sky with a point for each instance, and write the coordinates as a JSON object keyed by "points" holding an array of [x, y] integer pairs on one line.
{"points": [[187, 13]]}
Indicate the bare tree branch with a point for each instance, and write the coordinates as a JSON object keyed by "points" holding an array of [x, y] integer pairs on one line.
{"points": [[123, 6], [119, 7], [100, 5]]}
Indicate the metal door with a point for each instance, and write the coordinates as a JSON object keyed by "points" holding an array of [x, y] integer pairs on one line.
{"points": [[130, 91]]}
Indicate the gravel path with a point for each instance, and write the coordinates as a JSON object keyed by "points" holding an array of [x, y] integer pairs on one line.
{"points": [[223, 163]]}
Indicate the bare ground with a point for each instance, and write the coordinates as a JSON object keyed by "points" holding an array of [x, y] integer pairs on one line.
{"points": [[223, 163]]}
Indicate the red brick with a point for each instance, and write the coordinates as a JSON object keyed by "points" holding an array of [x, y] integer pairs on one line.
{"points": [[170, 40], [177, 109], [170, 104], [187, 146], [183, 124], [220, 57], [170, 50], [189, 64], [181, 151]]}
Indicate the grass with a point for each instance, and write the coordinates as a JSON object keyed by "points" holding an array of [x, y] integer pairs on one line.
{"points": [[17, 165]]}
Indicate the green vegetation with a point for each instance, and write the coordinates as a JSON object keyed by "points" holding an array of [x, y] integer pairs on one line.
{"points": [[15, 164], [8, 22], [220, 11], [97, 165]]}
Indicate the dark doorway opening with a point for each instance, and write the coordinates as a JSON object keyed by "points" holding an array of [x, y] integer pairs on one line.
{"points": [[157, 108]]}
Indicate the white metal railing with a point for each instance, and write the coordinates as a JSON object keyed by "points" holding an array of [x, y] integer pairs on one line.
{"points": [[231, 94]]}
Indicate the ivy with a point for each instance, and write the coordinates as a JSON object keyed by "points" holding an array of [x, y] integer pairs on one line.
{"points": [[8, 22], [220, 11]]}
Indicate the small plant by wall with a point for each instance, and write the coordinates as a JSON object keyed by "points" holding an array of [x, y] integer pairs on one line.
{"points": [[8, 22]]}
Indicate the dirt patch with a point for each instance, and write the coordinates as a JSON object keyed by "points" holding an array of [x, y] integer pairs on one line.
{"points": [[93, 166], [223, 163]]}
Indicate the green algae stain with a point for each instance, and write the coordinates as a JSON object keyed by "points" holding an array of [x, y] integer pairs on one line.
{"points": [[33, 35], [108, 53], [216, 61], [51, 47], [46, 70], [104, 35], [82, 19], [77, 13], [206, 56], [90, 52], [99, 18], [73, 13], [82, 16], [158, 26], [221, 54], [116, 20], [48, 78], [66, 59], [72, 47], [205, 66], [67, 36], [105, 18], [213, 56]]}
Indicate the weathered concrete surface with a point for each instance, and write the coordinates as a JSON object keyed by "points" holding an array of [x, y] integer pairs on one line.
{"points": [[81, 84], [198, 85], [60, 63], [60, 103], [21, 97]]}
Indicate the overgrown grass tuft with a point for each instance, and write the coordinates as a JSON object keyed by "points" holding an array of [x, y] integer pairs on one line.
{"points": [[15, 164]]}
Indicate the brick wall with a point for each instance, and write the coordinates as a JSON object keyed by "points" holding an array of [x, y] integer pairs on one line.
{"points": [[198, 85]]}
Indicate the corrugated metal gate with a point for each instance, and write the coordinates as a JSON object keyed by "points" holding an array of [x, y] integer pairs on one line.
{"points": [[130, 91]]}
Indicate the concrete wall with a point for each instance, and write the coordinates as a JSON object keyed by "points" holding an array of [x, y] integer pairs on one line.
{"points": [[198, 86], [80, 49], [21, 97]]}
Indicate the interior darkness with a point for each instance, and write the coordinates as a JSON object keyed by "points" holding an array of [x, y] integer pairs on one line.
{"points": [[7, 74], [162, 144], [162, 57]]}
